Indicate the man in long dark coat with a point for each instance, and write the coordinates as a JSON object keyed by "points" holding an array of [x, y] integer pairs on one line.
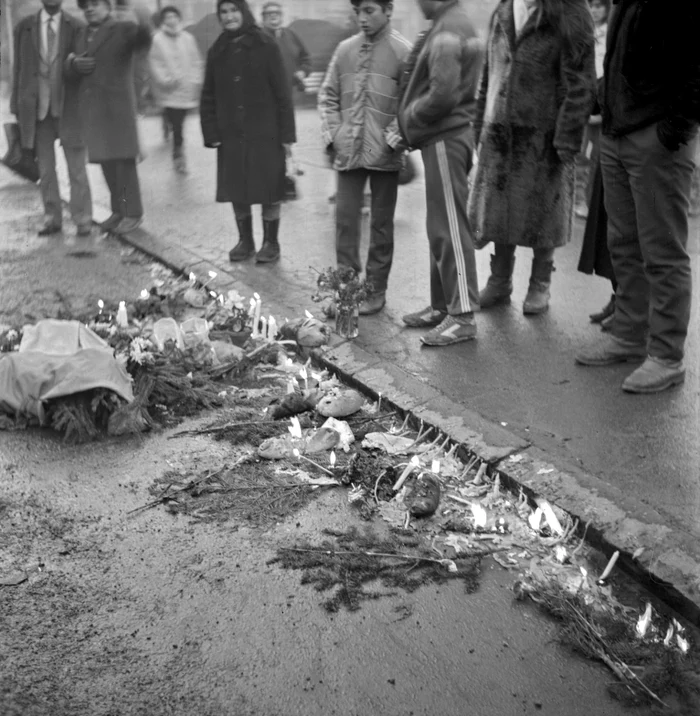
{"points": [[104, 57], [46, 110]]}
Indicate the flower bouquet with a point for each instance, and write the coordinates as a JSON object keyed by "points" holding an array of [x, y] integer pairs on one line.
{"points": [[348, 291]]}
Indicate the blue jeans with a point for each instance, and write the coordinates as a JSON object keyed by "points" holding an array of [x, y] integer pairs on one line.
{"points": [[348, 216]]}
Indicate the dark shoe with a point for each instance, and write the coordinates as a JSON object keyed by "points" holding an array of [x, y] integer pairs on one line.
{"points": [[607, 310], [111, 223], [270, 250], [127, 224], [654, 375], [537, 298], [49, 228], [426, 318], [245, 247], [608, 350], [500, 284], [373, 303], [84, 230], [453, 329]]}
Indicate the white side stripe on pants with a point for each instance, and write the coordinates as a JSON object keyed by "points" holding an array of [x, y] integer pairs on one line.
{"points": [[454, 225]]}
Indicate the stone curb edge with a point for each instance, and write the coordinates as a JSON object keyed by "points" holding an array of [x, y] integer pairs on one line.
{"points": [[670, 564]]}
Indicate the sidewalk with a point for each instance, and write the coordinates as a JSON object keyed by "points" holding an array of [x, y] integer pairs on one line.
{"points": [[628, 465]]}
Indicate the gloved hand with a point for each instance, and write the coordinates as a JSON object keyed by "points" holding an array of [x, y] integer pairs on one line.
{"points": [[84, 65]]}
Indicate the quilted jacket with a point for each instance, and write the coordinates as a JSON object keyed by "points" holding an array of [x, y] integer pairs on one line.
{"points": [[358, 100]]}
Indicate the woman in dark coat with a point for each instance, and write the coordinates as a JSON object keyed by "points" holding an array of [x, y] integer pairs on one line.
{"points": [[247, 114], [534, 101]]}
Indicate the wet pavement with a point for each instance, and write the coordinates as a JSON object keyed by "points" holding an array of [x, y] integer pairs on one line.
{"points": [[520, 373]]}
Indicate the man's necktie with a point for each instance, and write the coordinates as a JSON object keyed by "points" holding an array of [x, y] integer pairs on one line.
{"points": [[50, 41]]}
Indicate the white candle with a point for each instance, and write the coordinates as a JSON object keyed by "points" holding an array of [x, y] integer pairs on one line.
{"points": [[332, 459], [193, 278], [254, 334], [122, 318], [271, 328], [414, 462], [308, 314], [258, 309], [100, 305], [436, 467]]}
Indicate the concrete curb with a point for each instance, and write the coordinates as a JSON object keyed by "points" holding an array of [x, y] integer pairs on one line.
{"points": [[610, 520]]}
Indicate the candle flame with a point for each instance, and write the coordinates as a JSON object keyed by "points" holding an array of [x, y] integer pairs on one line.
{"points": [[193, 278], [145, 294], [308, 314], [332, 458], [256, 296], [644, 622], [101, 304], [479, 514], [213, 294], [295, 427], [414, 461], [213, 274], [296, 453]]}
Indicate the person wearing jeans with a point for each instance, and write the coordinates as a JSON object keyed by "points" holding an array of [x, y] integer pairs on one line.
{"points": [[651, 111], [357, 103]]}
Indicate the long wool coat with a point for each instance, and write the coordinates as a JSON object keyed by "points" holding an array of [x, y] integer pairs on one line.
{"points": [[106, 97], [535, 98], [246, 106], [25, 84]]}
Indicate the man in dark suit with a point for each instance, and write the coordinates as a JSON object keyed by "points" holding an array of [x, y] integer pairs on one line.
{"points": [[46, 109], [294, 54], [104, 60]]}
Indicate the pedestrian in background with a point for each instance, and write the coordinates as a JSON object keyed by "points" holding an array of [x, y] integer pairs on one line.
{"points": [[247, 114], [357, 103], [177, 70], [46, 108], [295, 56], [435, 115], [651, 111], [536, 94], [104, 59]]}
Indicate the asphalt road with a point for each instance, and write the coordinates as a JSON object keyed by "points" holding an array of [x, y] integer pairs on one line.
{"points": [[520, 372], [154, 615]]}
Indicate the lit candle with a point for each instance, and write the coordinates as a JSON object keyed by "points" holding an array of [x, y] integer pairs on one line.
{"points": [[332, 459], [379, 403], [100, 305], [258, 308], [212, 276], [436, 467], [145, 294], [414, 462], [254, 334], [271, 328], [193, 278], [122, 318], [214, 294]]}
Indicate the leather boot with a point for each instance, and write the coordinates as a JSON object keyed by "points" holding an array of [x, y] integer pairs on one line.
{"points": [[270, 250], [245, 247], [500, 284], [537, 299]]}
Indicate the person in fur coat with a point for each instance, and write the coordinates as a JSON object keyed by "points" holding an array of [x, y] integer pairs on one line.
{"points": [[536, 94]]}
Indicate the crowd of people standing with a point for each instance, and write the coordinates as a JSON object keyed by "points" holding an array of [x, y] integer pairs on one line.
{"points": [[499, 125]]}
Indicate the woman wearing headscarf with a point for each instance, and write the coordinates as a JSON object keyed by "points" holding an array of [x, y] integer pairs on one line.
{"points": [[536, 95], [247, 115]]}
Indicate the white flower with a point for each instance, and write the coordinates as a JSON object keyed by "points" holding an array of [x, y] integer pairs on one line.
{"points": [[139, 351]]}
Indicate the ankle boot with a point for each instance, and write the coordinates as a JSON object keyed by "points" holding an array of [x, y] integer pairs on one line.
{"points": [[245, 247], [500, 284], [270, 250], [537, 299]]}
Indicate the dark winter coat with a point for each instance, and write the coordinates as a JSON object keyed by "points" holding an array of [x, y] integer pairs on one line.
{"points": [[25, 85], [295, 56], [106, 97], [246, 106], [652, 69], [534, 100]]}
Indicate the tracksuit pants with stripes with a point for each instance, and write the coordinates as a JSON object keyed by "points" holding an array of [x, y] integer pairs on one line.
{"points": [[453, 279]]}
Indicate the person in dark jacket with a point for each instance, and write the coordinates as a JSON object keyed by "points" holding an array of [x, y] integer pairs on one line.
{"points": [[104, 59], [295, 56], [46, 109], [651, 110], [536, 95], [246, 112], [435, 114]]}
